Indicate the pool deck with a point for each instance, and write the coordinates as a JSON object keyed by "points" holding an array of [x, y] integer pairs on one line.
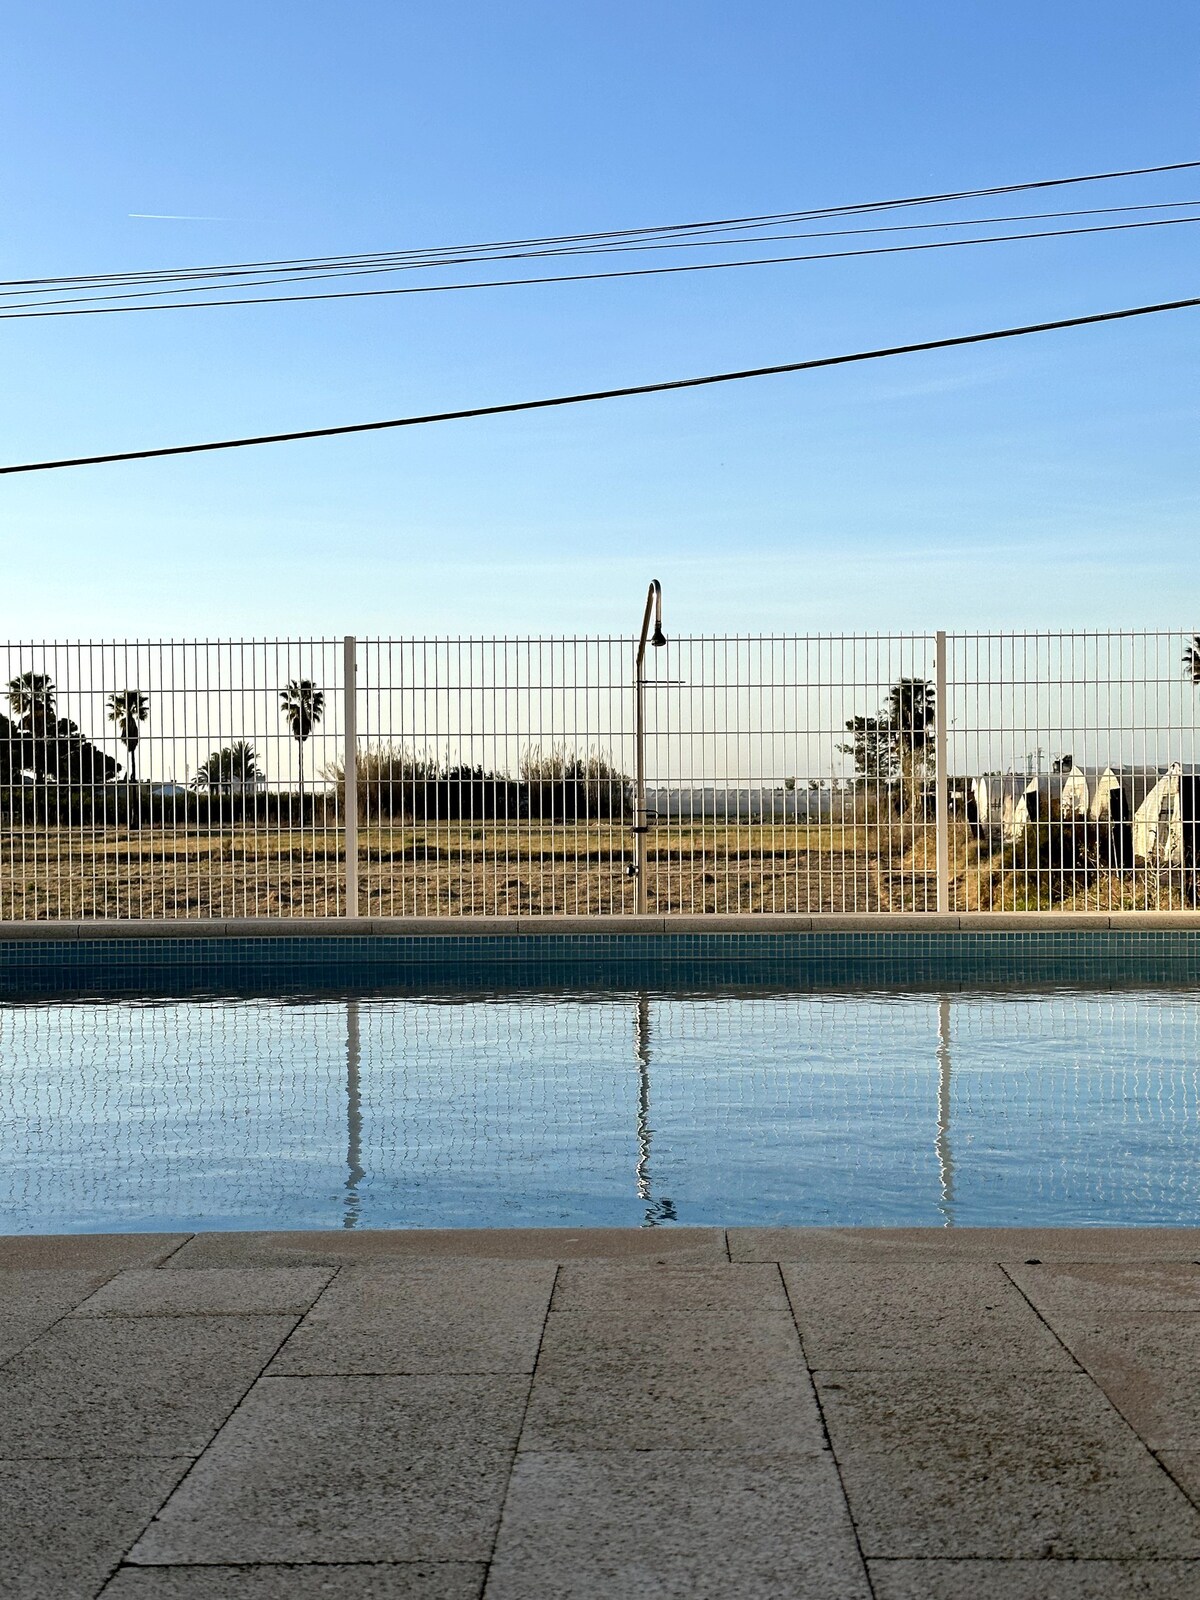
{"points": [[519, 1414]]}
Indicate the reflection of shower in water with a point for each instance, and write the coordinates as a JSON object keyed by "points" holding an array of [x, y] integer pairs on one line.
{"points": [[354, 1170], [657, 1211], [941, 1144]]}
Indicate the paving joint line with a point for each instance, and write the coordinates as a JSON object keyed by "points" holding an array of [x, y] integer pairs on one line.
{"points": [[440, 1372], [487, 1565], [837, 1465], [299, 1566], [1040, 1561], [171, 1254], [71, 1310], [1193, 1499], [300, 1320], [123, 1559]]}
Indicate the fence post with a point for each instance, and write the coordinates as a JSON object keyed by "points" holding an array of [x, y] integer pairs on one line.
{"points": [[941, 781], [350, 771]]}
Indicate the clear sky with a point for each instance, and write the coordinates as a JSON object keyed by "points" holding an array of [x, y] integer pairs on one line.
{"points": [[1053, 482]]}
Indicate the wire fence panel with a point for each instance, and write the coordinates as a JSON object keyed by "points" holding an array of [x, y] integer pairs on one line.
{"points": [[498, 776], [1083, 791], [771, 785], [493, 776], [579, 776], [164, 780]]}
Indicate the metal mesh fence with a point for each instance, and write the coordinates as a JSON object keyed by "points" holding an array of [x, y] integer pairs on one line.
{"points": [[1080, 788], [550, 776], [151, 780]]}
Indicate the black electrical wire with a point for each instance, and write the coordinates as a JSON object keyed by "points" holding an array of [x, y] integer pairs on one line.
{"points": [[27, 314], [684, 228], [9, 304], [607, 394]]}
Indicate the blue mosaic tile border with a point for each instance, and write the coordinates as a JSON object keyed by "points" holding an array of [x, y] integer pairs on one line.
{"points": [[311, 964]]}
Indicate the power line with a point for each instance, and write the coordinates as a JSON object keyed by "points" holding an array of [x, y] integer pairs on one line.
{"points": [[607, 394], [760, 220], [10, 304], [27, 314]]}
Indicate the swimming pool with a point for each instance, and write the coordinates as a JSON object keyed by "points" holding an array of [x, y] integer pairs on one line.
{"points": [[651, 1106]]}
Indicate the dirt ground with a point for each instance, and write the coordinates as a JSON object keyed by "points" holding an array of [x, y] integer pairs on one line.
{"points": [[505, 868]]}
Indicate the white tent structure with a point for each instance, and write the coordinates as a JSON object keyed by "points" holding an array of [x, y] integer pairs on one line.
{"points": [[1166, 825], [1107, 796], [996, 803], [1053, 794]]}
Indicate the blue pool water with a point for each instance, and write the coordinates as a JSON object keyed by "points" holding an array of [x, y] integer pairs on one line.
{"points": [[1069, 1107]]}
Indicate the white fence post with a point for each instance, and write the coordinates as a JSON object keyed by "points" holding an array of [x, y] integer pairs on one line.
{"points": [[941, 781], [350, 771]]}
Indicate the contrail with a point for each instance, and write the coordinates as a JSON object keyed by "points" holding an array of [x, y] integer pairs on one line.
{"points": [[168, 216]]}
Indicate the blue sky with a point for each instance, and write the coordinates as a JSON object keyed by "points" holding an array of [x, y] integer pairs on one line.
{"points": [[1043, 483]]}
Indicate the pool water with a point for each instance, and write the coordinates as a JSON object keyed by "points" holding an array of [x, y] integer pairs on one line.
{"points": [[1072, 1107]]}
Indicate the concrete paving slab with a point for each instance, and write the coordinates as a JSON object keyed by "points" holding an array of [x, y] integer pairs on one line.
{"points": [[964, 1480], [348, 1469], [17, 1333], [66, 1524], [963, 1244], [649, 1288], [582, 1526], [952, 1413], [157, 1386], [1113, 1507], [1184, 1467], [208, 1292], [1151, 1341], [318, 1247], [93, 1252], [750, 1343], [1035, 1580], [1028, 1466], [46, 1294], [423, 1580], [424, 1316], [1116, 1288], [918, 1316], [32, 1301], [961, 1341], [672, 1382], [1147, 1367], [840, 1289]]}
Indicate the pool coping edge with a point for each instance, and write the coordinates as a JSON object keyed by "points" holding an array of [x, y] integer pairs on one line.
{"points": [[473, 927]]}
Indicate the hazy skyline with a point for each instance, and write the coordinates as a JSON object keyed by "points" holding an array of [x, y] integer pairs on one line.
{"points": [[1050, 483]]}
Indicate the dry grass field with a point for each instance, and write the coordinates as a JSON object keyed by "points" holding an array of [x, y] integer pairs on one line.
{"points": [[496, 869], [458, 870]]}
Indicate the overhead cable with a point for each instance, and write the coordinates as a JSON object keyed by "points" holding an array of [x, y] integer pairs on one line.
{"points": [[221, 285], [588, 397], [677, 235], [27, 313]]}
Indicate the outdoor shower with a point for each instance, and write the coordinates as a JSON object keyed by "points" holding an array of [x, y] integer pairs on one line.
{"points": [[658, 638]]}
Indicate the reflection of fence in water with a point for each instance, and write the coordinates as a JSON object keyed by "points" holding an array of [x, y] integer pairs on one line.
{"points": [[495, 777], [792, 1108]]}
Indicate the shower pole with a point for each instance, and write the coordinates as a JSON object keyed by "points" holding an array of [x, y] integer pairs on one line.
{"points": [[657, 639]]}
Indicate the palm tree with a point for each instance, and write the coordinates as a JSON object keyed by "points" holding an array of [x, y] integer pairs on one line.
{"points": [[1191, 660], [230, 770], [31, 700], [303, 706], [31, 697], [127, 710]]}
